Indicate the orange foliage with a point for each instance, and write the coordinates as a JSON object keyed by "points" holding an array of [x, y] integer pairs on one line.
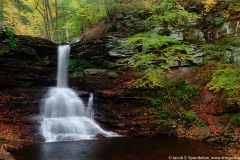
{"points": [[209, 2]]}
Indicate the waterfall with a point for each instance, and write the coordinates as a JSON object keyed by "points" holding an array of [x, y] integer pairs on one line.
{"points": [[62, 73], [65, 117], [90, 112]]}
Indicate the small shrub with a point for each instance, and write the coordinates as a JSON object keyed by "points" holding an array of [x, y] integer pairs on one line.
{"points": [[191, 116], [170, 123], [227, 79], [181, 93], [164, 113], [76, 67], [219, 21], [234, 6], [201, 122], [178, 91], [235, 120], [12, 39], [160, 122]]}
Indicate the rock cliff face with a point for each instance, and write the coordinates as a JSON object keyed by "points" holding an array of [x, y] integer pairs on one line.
{"points": [[26, 69], [30, 63]]}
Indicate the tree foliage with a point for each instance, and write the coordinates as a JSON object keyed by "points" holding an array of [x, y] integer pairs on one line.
{"points": [[169, 13], [52, 19], [85, 16], [57, 20], [13, 12]]}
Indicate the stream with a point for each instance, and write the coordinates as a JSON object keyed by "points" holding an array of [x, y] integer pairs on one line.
{"points": [[121, 148]]}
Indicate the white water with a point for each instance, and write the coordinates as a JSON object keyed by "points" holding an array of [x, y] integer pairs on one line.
{"points": [[62, 73], [65, 116]]}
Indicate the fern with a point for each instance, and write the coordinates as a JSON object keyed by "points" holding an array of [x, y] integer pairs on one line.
{"points": [[151, 79], [227, 79], [156, 52]]}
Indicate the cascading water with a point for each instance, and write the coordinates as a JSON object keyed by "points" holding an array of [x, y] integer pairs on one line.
{"points": [[62, 73], [64, 115]]}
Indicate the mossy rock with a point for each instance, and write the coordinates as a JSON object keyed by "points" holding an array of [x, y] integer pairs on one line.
{"points": [[166, 130]]}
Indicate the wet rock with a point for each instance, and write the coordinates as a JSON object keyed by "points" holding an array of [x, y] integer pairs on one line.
{"points": [[199, 35], [99, 136], [198, 133], [233, 53], [196, 54], [4, 155], [100, 73], [177, 33], [166, 130], [120, 51], [211, 140], [94, 71], [227, 28]]}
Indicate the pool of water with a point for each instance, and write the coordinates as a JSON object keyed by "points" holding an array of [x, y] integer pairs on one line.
{"points": [[129, 148]]}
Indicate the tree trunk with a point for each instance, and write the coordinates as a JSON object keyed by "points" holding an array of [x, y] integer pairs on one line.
{"points": [[111, 13], [67, 33], [51, 21], [47, 20], [43, 16], [114, 17], [56, 22], [1, 13]]}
